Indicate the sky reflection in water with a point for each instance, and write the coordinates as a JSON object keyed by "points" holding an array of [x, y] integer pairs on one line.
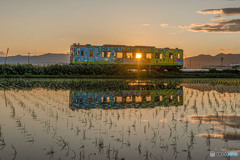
{"points": [[177, 122]]}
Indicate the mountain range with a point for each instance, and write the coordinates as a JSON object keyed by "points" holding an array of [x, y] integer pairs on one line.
{"points": [[60, 58], [45, 59], [208, 60]]}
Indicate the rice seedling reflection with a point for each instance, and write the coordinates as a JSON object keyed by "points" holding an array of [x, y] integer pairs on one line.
{"points": [[222, 120], [122, 121]]}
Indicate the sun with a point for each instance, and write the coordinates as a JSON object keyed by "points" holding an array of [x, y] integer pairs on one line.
{"points": [[139, 55]]}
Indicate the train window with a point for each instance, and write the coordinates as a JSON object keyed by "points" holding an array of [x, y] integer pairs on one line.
{"points": [[170, 56], [81, 101], [138, 99], [77, 53], [118, 99], [178, 56], [138, 55], [105, 99], [106, 54], [82, 53], [91, 53], [129, 55], [119, 54], [129, 99], [171, 98], [90, 100], [157, 55], [148, 98], [160, 55], [148, 55]]}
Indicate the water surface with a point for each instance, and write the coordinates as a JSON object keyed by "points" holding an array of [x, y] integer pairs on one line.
{"points": [[119, 119]]}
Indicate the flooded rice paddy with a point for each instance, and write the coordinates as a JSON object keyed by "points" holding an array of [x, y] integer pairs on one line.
{"points": [[119, 119]]}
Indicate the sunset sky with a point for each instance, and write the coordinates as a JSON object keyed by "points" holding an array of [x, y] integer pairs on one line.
{"points": [[51, 26]]}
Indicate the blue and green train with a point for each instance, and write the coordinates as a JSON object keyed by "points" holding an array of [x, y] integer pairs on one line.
{"points": [[163, 58], [125, 99]]}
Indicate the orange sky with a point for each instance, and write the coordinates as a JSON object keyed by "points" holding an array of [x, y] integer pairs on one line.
{"points": [[197, 27]]}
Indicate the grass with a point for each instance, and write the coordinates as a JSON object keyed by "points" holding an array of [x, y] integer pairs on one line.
{"points": [[108, 84], [101, 71]]}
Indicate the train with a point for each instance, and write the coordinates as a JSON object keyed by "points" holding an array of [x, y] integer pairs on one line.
{"points": [[125, 99], [158, 58]]}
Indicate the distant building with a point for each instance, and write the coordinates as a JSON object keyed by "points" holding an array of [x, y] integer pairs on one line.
{"points": [[217, 67], [235, 66]]}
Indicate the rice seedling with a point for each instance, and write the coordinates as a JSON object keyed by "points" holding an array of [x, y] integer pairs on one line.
{"points": [[51, 152], [64, 145], [100, 144], [14, 152], [118, 128], [82, 154], [189, 157], [139, 148], [2, 141], [84, 134]]}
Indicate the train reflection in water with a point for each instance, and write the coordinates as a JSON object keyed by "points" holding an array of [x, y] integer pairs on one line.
{"points": [[126, 99]]}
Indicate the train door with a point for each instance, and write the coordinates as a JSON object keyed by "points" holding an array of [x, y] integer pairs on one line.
{"points": [[171, 59], [90, 55], [81, 55], [176, 57]]}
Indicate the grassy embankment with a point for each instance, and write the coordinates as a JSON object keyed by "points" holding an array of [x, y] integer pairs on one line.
{"points": [[100, 71]]}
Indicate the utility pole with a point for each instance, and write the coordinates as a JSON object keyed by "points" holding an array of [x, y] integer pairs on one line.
{"points": [[6, 56], [29, 58], [221, 62]]}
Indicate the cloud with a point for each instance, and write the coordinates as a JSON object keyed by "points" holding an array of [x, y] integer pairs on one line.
{"points": [[225, 50], [232, 25], [223, 121], [222, 11], [146, 24], [39, 49], [218, 25], [163, 25], [208, 50]]}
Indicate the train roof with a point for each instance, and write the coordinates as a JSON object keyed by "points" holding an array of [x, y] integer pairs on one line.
{"points": [[113, 45]]}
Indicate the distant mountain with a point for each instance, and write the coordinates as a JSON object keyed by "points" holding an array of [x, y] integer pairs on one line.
{"points": [[49, 58], [208, 60], [60, 58]]}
